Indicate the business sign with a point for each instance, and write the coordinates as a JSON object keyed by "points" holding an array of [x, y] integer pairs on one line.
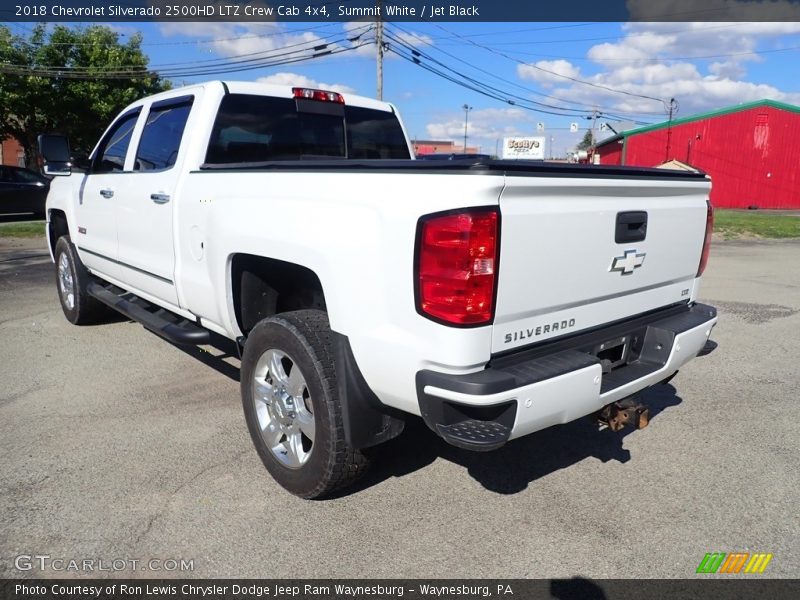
{"points": [[523, 148]]}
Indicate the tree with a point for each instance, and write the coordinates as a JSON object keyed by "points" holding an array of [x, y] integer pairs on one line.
{"points": [[586, 142], [59, 80]]}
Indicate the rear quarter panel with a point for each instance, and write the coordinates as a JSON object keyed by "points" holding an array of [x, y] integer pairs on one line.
{"points": [[357, 232]]}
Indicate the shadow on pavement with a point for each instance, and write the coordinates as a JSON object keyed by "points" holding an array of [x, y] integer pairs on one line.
{"points": [[577, 588], [513, 467]]}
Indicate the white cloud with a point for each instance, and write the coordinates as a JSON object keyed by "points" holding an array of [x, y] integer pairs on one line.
{"points": [[484, 128], [548, 71], [656, 60], [727, 69], [250, 38], [302, 81]]}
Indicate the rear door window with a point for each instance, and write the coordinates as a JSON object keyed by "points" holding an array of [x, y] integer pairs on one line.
{"points": [[162, 134]]}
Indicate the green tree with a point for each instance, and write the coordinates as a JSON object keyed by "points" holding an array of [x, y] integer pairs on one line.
{"points": [[586, 142], [68, 80]]}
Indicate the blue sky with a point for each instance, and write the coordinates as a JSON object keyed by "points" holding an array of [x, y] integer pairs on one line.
{"points": [[626, 71]]}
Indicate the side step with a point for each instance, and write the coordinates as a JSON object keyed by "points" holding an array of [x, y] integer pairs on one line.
{"points": [[169, 326], [481, 436]]}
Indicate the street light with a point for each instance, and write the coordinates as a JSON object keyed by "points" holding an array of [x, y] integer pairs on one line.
{"points": [[466, 108]]}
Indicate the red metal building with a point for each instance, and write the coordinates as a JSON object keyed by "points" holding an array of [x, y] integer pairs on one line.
{"points": [[751, 151]]}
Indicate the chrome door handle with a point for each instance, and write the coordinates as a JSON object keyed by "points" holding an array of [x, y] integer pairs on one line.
{"points": [[107, 193], [159, 198]]}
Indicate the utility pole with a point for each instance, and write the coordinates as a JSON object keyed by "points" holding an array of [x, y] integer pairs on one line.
{"points": [[673, 105], [379, 42], [466, 108], [595, 112]]}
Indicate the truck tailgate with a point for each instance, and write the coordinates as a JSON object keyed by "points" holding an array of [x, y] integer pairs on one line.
{"points": [[561, 269]]}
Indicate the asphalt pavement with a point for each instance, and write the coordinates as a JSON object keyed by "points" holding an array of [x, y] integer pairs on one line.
{"points": [[119, 446]]}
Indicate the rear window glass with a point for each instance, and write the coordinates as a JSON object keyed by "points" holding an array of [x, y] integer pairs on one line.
{"points": [[374, 134], [260, 128]]}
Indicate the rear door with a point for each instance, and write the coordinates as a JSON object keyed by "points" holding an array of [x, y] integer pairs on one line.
{"points": [[578, 253], [146, 210]]}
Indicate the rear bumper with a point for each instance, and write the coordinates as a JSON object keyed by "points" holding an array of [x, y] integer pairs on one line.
{"points": [[561, 381]]}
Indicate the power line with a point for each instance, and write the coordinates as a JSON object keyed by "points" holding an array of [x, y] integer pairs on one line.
{"points": [[494, 75], [453, 35], [526, 30], [661, 58], [237, 63], [414, 56], [478, 87], [145, 74], [192, 42], [513, 83], [555, 74], [213, 62]]}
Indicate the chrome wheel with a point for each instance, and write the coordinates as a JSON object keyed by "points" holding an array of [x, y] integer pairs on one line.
{"points": [[66, 283], [284, 409]]}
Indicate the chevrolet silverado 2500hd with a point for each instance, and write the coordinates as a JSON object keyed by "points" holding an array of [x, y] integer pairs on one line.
{"points": [[491, 298]]}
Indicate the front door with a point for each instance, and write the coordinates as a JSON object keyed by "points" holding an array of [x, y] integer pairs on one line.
{"points": [[99, 193]]}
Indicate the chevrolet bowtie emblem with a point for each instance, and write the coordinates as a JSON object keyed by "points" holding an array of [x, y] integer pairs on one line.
{"points": [[626, 263]]}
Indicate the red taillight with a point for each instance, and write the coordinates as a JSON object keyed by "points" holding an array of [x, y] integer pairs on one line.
{"points": [[457, 267], [321, 95], [707, 239]]}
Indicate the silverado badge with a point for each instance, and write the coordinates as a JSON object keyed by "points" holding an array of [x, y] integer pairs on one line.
{"points": [[626, 263]]}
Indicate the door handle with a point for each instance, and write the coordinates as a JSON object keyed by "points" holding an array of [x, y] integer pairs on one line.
{"points": [[107, 193], [631, 227], [159, 198]]}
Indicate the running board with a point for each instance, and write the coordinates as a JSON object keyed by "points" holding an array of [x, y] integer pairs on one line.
{"points": [[169, 326]]}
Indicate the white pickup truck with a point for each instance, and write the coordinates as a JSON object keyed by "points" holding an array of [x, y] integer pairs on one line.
{"points": [[491, 298]]}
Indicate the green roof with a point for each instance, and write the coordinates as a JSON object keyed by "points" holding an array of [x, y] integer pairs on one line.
{"points": [[706, 115]]}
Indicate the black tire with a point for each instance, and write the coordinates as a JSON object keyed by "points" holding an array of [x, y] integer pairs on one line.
{"points": [[303, 337], [79, 307]]}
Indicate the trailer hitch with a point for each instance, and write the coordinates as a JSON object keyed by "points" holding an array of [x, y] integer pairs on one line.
{"points": [[628, 411]]}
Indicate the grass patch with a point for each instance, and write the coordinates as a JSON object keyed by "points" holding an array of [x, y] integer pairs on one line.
{"points": [[24, 229], [736, 223]]}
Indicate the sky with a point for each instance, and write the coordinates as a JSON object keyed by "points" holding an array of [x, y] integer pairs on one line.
{"points": [[625, 73]]}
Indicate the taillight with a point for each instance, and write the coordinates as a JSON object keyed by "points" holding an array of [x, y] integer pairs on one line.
{"points": [[321, 95], [707, 239], [457, 266]]}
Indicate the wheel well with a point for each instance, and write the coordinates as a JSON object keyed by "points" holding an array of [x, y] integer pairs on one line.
{"points": [[263, 287], [58, 227]]}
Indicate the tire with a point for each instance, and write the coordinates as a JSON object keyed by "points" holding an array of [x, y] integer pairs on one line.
{"points": [[71, 280], [297, 432]]}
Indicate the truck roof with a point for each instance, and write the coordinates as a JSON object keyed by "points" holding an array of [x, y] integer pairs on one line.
{"points": [[268, 89]]}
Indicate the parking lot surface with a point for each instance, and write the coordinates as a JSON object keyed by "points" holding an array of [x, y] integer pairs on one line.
{"points": [[118, 445]]}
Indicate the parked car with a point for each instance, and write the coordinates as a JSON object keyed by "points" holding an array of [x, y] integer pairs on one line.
{"points": [[22, 191]]}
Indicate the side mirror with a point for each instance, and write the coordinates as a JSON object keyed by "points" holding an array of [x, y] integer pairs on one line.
{"points": [[54, 149]]}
